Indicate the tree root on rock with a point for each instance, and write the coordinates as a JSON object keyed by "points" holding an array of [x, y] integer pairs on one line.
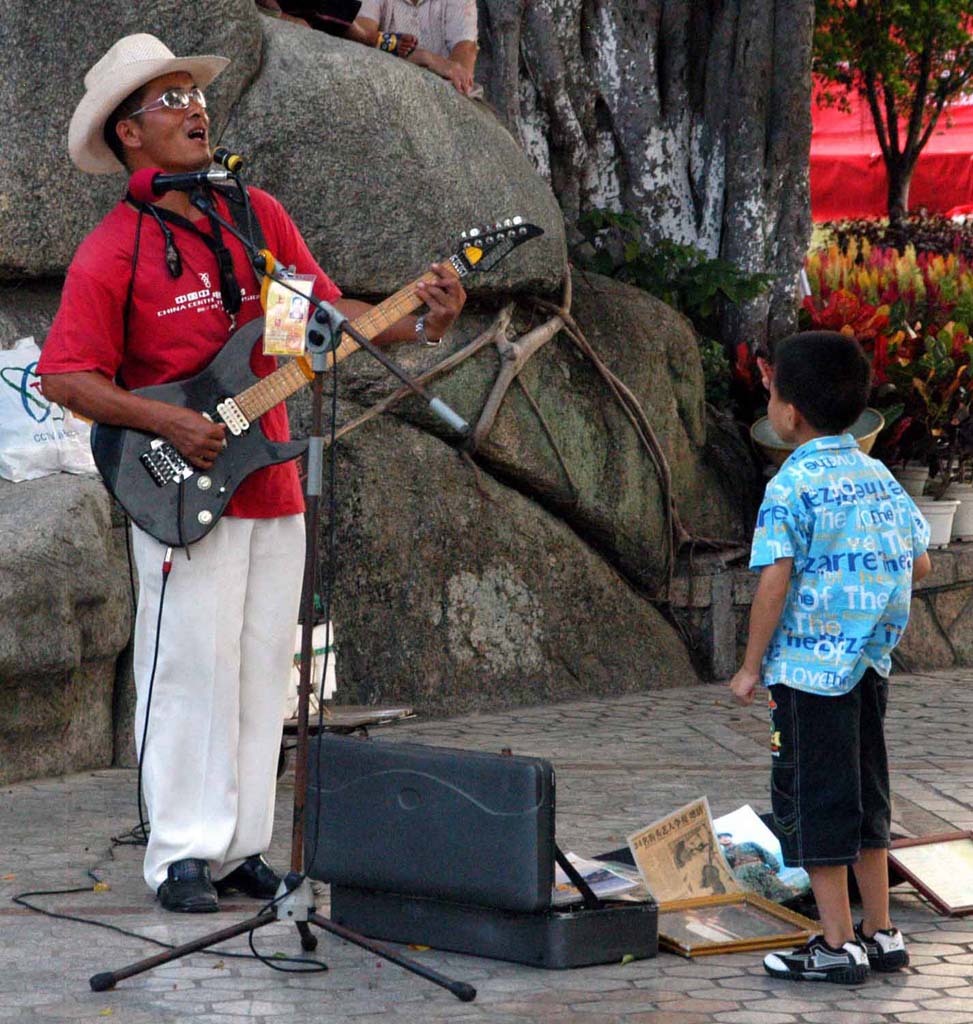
{"points": [[514, 355]]}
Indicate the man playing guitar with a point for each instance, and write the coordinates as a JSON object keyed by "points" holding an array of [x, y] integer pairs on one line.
{"points": [[152, 295]]}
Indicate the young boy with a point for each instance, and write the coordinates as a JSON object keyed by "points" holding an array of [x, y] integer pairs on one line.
{"points": [[839, 545]]}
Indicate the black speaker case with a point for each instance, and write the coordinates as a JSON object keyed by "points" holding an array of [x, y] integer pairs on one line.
{"points": [[555, 938]]}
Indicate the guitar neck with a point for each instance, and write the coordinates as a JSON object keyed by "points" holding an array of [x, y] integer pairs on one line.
{"points": [[295, 373]]}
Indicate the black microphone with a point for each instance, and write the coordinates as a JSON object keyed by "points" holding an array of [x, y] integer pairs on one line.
{"points": [[233, 162], [147, 184]]}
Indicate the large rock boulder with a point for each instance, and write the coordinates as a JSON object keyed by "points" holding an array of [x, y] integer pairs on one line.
{"points": [[381, 164], [65, 596], [530, 572], [457, 593]]}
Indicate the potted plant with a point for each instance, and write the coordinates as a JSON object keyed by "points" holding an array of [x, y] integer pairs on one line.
{"points": [[954, 478], [935, 387]]}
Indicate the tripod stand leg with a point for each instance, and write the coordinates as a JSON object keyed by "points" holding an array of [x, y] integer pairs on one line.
{"points": [[461, 989], [109, 979], [309, 940]]}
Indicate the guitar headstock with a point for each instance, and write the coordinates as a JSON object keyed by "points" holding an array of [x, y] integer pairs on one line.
{"points": [[483, 247]]}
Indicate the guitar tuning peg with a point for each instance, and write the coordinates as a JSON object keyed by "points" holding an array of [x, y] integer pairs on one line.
{"points": [[518, 220], [462, 235], [474, 232], [508, 223]]}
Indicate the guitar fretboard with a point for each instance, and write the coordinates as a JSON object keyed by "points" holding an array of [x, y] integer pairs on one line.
{"points": [[294, 374]]}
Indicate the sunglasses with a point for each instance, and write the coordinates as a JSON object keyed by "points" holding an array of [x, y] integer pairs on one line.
{"points": [[174, 99]]}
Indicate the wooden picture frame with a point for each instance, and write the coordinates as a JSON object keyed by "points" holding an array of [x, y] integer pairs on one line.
{"points": [[940, 867], [731, 923]]}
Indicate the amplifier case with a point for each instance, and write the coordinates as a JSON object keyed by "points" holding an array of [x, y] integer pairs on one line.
{"points": [[453, 849]]}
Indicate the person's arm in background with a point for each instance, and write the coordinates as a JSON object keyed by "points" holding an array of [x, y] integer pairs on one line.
{"points": [[367, 32], [359, 34], [457, 68]]}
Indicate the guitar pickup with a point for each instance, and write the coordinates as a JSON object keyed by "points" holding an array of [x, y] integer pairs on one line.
{"points": [[230, 413], [164, 463]]}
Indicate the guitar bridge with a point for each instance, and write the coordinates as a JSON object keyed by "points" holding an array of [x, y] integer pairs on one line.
{"points": [[164, 463], [230, 413]]}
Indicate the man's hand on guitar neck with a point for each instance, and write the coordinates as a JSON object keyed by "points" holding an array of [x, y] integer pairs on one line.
{"points": [[444, 297]]}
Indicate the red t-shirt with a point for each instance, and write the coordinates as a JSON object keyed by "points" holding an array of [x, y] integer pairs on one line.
{"points": [[176, 325]]}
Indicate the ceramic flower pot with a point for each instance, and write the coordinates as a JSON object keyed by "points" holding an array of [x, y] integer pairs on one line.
{"points": [[939, 515], [913, 477], [963, 520], [864, 430]]}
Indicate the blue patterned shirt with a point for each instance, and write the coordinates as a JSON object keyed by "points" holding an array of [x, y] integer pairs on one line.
{"points": [[853, 533]]}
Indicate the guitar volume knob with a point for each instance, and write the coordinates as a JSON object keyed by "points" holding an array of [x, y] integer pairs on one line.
{"points": [[205, 517], [204, 483]]}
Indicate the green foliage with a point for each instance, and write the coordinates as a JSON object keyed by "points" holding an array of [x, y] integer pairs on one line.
{"points": [[681, 275], [908, 58], [907, 45], [717, 372]]}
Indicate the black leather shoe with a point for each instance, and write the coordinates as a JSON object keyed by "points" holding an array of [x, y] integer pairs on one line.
{"points": [[188, 888], [254, 877]]}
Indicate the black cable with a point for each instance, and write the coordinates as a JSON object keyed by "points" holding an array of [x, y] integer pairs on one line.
{"points": [[124, 840], [311, 966]]}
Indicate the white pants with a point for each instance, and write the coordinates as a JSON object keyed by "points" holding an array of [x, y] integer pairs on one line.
{"points": [[226, 647]]}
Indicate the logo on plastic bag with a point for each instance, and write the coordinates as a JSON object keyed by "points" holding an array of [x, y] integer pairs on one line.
{"points": [[24, 380]]}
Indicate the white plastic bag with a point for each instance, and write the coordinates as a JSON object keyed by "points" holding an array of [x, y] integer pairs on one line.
{"points": [[319, 641], [37, 437]]}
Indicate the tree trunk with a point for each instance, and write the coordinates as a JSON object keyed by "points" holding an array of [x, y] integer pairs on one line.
{"points": [[694, 114], [899, 174]]}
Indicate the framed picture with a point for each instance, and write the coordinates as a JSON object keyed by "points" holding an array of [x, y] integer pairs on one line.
{"points": [[731, 923], [940, 867]]}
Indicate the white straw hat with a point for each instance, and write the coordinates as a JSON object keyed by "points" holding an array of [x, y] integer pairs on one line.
{"points": [[127, 66]]}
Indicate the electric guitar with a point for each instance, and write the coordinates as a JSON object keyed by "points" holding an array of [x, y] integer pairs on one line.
{"points": [[179, 504]]}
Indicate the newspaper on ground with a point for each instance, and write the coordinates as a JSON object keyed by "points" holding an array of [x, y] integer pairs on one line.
{"points": [[606, 882], [679, 857]]}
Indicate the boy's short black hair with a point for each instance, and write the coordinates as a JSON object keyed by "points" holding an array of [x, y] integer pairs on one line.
{"points": [[825, 375]]}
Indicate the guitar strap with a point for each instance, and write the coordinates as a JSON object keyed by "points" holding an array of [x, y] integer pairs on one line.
{"points": [[243, 217]]}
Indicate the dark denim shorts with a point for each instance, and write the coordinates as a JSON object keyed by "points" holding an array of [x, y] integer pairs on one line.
{"points": [[830, 776]]}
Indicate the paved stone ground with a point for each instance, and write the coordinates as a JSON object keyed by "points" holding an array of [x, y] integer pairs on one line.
{"points": [[621, 763]]}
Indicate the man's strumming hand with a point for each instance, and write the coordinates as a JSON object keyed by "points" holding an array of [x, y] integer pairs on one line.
{"points": [[196, 438]]}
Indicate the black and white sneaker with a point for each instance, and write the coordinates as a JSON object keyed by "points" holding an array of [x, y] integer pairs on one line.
{"points": [[817, 961], [886, 948]]}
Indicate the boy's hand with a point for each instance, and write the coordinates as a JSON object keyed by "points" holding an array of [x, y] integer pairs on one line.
{"points": [[743, 685]]}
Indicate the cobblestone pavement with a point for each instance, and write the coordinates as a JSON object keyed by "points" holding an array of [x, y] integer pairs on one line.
{"points": [[621, 763]]}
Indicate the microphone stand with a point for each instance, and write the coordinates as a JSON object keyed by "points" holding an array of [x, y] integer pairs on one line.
{"points": [[294, 900]]}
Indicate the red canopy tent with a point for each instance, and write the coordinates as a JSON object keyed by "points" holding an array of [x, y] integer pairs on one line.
{"points": [[848, 173]]}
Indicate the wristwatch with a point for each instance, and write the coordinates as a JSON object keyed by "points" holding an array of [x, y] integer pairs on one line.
{"points": [[421, 333]]}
